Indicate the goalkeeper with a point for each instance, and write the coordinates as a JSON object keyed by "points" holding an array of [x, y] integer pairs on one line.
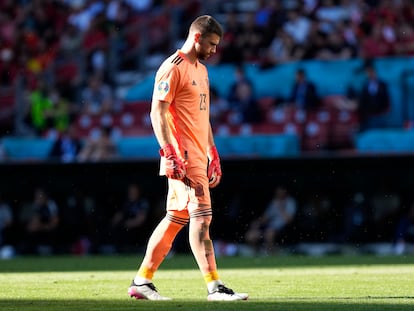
{"points": [[189, 159]]}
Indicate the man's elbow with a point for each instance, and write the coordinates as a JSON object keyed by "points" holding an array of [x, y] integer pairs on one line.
{"points": [[154, 116]]}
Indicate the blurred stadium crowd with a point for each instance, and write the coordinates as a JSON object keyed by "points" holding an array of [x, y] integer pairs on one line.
{"points": [[65, 66]]}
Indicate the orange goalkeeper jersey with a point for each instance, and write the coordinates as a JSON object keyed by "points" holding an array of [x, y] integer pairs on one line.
{"points": [[185, 86]]}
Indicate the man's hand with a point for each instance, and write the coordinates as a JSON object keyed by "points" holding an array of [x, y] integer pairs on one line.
{"points": [[174, 166], [214, 168]]}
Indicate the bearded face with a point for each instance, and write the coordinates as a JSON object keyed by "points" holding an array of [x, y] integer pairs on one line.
{"points": [[206, 46]]}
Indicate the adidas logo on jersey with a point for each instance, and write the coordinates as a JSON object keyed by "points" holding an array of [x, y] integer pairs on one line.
{"points": [[194, 83]]}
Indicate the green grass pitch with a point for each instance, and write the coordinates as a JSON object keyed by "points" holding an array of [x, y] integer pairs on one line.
{"points": [[273, 283]]}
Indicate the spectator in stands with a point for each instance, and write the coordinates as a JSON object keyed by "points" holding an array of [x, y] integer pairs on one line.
{"points": [[67, 71], [232, 219], [229, 49], [316, 41], [7, 26], [97, 97], [250, 39], [102, 148], [335, 47], [49, 112], [79, 222], [82, 13], [279, 213], [128, 224], [263, 13], [373, 101], [240, 77], [95, 44], [41, 60], [303, 94], [60, 112], [349, 33], [41, 107], [70, 41], [243, 105], [278, 16], [385, 203], [405, 43], [158, 40], [282, 49], [356, 219], [311, 218], [330, 14], [7, 90], [242, 102], [219, 107], [8, 69], [404, 232], [373, 43], [67, 147], [42, 225], [297, 26], [6, 222]]}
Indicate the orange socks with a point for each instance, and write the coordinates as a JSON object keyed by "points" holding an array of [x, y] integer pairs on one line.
{"points": [[158, 247]]}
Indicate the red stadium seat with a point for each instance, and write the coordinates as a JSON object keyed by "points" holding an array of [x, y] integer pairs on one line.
{"points": [[66, 72], [135, 131], [136, 114], [343, 126], [268, 128], [265, 105], [315, 135], [7, 107], [227, 130]]}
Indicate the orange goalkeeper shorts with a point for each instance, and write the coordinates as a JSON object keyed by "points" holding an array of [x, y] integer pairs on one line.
{"points": [[188, 195]]}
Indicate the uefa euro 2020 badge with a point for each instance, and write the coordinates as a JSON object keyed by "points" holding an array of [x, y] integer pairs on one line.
{"points": [[163, 87]]}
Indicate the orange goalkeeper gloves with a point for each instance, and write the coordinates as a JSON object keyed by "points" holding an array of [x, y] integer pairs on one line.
{"points": [[214, 167], [174, 166]]}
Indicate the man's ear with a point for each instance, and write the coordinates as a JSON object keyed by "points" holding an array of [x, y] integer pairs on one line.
{"points": [[197, 36]]}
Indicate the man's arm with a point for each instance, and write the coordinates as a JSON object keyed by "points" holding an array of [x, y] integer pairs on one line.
{"points": [[210, 138], [159, 122], [174, 166]]}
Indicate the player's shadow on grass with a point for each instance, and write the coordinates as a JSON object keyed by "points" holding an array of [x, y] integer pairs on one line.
{"points": [[297, 304]]}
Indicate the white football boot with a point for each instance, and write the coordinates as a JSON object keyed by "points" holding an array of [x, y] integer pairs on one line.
{"points": [[145, 291], [222, 293]]}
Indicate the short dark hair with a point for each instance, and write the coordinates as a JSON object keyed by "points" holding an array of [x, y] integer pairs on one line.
{"points": [[206, 25]]}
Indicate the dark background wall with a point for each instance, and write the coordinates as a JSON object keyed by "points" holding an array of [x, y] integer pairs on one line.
{"points": [[249, 181]]}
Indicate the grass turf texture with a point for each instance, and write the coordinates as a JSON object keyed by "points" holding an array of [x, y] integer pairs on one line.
{"points": [[273, 283]]}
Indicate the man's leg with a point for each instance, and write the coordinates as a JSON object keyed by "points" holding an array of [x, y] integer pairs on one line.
{"points": [[158, 247], [203, 250], [161, 241], [201, 244]]}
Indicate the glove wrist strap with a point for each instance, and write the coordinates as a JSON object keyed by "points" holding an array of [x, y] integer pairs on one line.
{"points": [[167, 150], [213, 153]]}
